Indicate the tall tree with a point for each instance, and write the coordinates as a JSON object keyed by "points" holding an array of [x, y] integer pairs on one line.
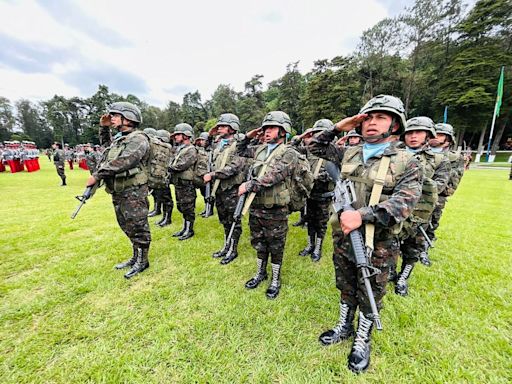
{"points": [[7, 119]]}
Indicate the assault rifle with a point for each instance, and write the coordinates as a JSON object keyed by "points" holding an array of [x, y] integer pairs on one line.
{"points": [[343, 198], [208, 210], [427, 239], [88, 193], [237, 215]]}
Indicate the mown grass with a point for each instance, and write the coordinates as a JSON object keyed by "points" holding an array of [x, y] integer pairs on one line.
{"points": [[67, 316]]}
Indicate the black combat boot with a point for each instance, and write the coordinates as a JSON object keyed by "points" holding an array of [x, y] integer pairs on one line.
{"points": [[401, 287], [129, 262], [189, 231], [275, 284], [167, 217], [424, 259], [343, 330], [63, 184], [140, 265], [309, 247], [359, 358], [181, 231], [222, 252], [317, 252], [232, 253], [157, 209], [259, 276]]}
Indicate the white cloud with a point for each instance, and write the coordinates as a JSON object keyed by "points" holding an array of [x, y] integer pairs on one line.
{"points": [[177, 46]]}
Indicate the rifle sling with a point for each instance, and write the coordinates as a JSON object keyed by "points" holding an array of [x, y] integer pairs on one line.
{"points": [[262, 171], [317, 168], [375, 197], [225, 156]]}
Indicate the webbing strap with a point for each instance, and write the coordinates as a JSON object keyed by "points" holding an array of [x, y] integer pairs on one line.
{"points": [[375, 197], [262, 171], [225, 156], [317, 168]]}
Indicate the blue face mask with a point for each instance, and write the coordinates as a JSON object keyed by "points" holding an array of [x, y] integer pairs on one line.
{"points": [[373, 150], [437, 150], [412, 150], [223, 143]]}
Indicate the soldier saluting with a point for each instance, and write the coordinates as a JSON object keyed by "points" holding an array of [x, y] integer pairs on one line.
{"points": [[124, 170], [387, 182]]}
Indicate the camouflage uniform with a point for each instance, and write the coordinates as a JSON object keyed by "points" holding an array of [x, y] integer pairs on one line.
{"points": [[226, 197], [400, 193], [268, 219], [182, 177], [58, 161], [92, 158], [124, 171]]}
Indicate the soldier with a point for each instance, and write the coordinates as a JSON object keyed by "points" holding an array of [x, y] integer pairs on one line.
{"points": [[268, 219], [441, 144], [124, 171], [229, 172], [436, 173], [69, 155], [91, 158], [350, 139], [376, 164], [58, 159], [202, 146], [317, 212], [182, 176], [157, 206], [161, 189]]}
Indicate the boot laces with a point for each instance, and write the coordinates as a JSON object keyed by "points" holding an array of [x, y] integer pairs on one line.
{"points": [[344, 308], [275, 274], [363, 331], [260, 273], [404, 275]]}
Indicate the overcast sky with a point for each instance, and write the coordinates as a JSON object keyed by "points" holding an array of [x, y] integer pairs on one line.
{"points": [[160, 50]]}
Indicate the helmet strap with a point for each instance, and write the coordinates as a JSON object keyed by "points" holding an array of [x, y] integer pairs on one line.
{"points": [[383, 135]]}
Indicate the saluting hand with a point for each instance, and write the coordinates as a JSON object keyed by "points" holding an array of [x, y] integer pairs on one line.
{"points": [[105, 120], [253, 133], [349, 123]]}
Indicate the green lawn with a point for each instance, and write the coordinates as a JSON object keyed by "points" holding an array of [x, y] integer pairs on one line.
{"points": [[66, 316]]}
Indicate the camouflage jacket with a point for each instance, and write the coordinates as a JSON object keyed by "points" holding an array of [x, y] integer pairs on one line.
{"points": [[276, 172], [182, 163], [235, 168], [456, 172], [402, 186], [134, 155], [58, 157]]}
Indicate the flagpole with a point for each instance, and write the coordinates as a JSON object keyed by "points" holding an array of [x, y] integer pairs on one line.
{"points": [[496, 111]]}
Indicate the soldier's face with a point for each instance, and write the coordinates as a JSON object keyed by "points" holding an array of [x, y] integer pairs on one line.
{"points": [[271, 134], [439, 140], [116, 119], [415, 139], [354, 140], [377, 123], [178, 138], [224, 130]]}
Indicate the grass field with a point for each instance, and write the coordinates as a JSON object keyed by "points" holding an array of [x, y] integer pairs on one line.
{"points": [[66, 316]]}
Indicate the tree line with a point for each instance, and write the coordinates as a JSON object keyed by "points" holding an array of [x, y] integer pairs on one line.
{"points": [[435, 54]]}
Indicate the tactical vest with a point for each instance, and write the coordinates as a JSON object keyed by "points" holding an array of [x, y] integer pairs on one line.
{"points": [[455, 165], [363, 176], [322, 182], [187, 174], [130, 178], [159, 158], [278, 194], [225, 156]]}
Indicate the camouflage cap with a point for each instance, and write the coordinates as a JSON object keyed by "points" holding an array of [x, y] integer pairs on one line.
{"points": [[446, 129], [185, 129], [203, 136], [150, 131], [420, 123], [229, 119], [387, 103], [353, 133], [279, 119], [128, 110], [163, 135]]}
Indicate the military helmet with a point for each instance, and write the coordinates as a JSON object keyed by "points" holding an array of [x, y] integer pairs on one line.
{"points": [[446, 129], [203, 136], [127, 110], [150, 131], [353, 133], [185, 129], [164, 135], [229, 119], [387, 103], [279, 119], [421, 123]]}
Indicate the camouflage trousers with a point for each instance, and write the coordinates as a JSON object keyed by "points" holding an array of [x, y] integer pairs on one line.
{"points": [[413, 245], [436, 217], [348, 277], [269, 227], [163, 196], [317, 216], [225, 201], [131, 207], [60, 170], [186, 199]]}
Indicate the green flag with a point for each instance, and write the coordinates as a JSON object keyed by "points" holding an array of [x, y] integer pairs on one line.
{"points": [[499, 95]]}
